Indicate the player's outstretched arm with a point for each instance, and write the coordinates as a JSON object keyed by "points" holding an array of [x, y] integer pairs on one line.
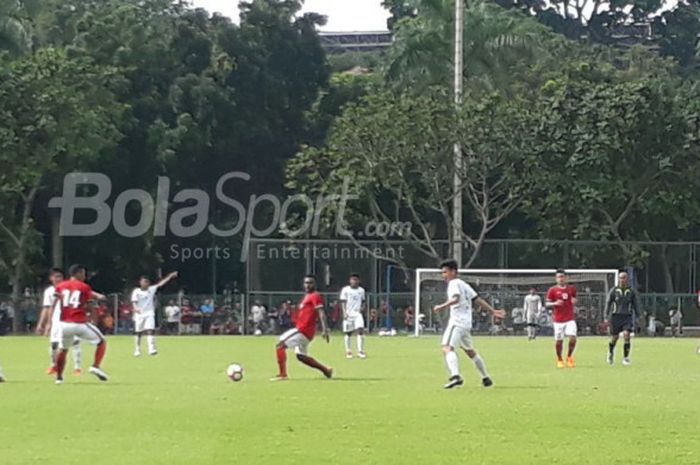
{"points": [[167, 279], [98, 296], [483, 304]]}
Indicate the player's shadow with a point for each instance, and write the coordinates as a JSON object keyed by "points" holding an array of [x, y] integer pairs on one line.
{"points": [[520, 388], [342, 380]]}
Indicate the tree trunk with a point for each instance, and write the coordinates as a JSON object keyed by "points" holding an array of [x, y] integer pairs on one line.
{"points": [[668, 278], [56, 240], [16, 277]]}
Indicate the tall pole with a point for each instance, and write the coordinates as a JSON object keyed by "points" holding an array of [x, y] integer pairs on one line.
{"points": [[458, 90]]}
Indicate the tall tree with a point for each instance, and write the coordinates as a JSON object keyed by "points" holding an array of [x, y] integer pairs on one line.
{"points": [[495, 41], [389, 152], [57, 113]]}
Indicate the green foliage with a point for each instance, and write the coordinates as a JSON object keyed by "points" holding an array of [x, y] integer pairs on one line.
{"points": [[496, 41], [611, 155], [395, 155]]}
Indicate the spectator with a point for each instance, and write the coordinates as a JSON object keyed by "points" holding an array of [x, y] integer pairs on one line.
{"points": [[285, 316], [189, 323], [221, 314], [207, 311], [104, 319], [408, 318], [125, 319], [272, 317], [257, 316], [336, 315], [173, 315], [641, 324], [676, 317], [518, 316], [373, 320]]}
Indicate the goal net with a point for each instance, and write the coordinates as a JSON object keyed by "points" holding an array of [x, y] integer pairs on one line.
{"points": [[506, 289]]}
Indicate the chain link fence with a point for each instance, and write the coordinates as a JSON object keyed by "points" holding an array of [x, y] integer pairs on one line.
{"points": [[232, 315]]}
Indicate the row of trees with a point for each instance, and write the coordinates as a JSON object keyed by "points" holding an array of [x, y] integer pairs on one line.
{"points": [[137, 89], [570, 128], [561, 139]]}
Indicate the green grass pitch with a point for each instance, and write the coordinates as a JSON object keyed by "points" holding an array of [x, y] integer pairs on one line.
{"points": [[179, 407]]}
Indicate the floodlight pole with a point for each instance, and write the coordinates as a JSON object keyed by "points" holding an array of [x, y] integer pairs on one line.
{"points": [[457, 245]]}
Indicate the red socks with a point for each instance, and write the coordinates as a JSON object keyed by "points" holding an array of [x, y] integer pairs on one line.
{"points": [[60, 363], [100, 353], [282, 360], [560, 348], [572, 346]]}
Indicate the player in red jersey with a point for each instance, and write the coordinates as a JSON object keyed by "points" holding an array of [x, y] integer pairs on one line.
{"points": [[72, 297], [562, 299], [309, 311]]}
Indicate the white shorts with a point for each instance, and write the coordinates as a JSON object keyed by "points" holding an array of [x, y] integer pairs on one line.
{"points": [[144, 322], [55, 337], [457, 336], [83, 331], [353, 323], [295, 339], [566, 329], [531, 318]]}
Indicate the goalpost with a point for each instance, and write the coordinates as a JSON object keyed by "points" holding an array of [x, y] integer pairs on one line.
{"points": [[506, 289]]}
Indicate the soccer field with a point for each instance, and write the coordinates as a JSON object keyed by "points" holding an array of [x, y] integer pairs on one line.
{"points": [[180, 408]]}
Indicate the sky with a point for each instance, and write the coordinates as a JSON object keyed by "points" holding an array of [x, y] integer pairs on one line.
{"points": [[343, 15]]}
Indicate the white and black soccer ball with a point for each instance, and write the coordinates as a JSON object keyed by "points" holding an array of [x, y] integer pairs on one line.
{"points": [[235, 372]]}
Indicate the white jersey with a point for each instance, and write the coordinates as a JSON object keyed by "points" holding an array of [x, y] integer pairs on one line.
{"points": [[461, 312], [532, 304], [48, 301], [354, 299], [144, 300]]}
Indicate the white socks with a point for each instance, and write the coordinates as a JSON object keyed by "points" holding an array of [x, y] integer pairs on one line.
{"points": [[361, 343], [137, 340], [347, 343], [151, 343], [77, 356], [480, 365], [452, 363]]}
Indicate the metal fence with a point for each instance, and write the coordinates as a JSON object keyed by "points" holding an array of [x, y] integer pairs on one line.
{"points": [[279, 264], [204, 314]]}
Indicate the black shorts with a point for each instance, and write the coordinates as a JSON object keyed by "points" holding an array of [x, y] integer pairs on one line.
{"points": [[621, 323]]}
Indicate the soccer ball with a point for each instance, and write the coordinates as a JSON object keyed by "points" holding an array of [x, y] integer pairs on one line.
{"points": [[258, 332], [235, 372]]}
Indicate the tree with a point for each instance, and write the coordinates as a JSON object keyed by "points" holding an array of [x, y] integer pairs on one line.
{"points": [[610, 155], [390, 153], [496, 41], [399, 9], [624, 23], [15, 25], [57, 113]]}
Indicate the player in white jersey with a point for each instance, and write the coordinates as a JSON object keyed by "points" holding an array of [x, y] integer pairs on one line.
{"points": [[352, 299], [460, 297], [50, 325], [532, 304], [143, 302]]}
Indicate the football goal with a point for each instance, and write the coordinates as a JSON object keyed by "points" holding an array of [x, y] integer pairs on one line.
{"points": [[506, 289]]}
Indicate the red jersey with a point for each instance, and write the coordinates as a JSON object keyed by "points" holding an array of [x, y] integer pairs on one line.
{"points": [[306, 315], [565, 312], [74, 296]]}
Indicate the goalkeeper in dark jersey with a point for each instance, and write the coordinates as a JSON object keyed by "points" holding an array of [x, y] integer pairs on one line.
{"points": [[621, 312]]}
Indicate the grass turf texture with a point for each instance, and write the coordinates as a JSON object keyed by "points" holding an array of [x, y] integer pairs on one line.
{"points": [[180, 408]]}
